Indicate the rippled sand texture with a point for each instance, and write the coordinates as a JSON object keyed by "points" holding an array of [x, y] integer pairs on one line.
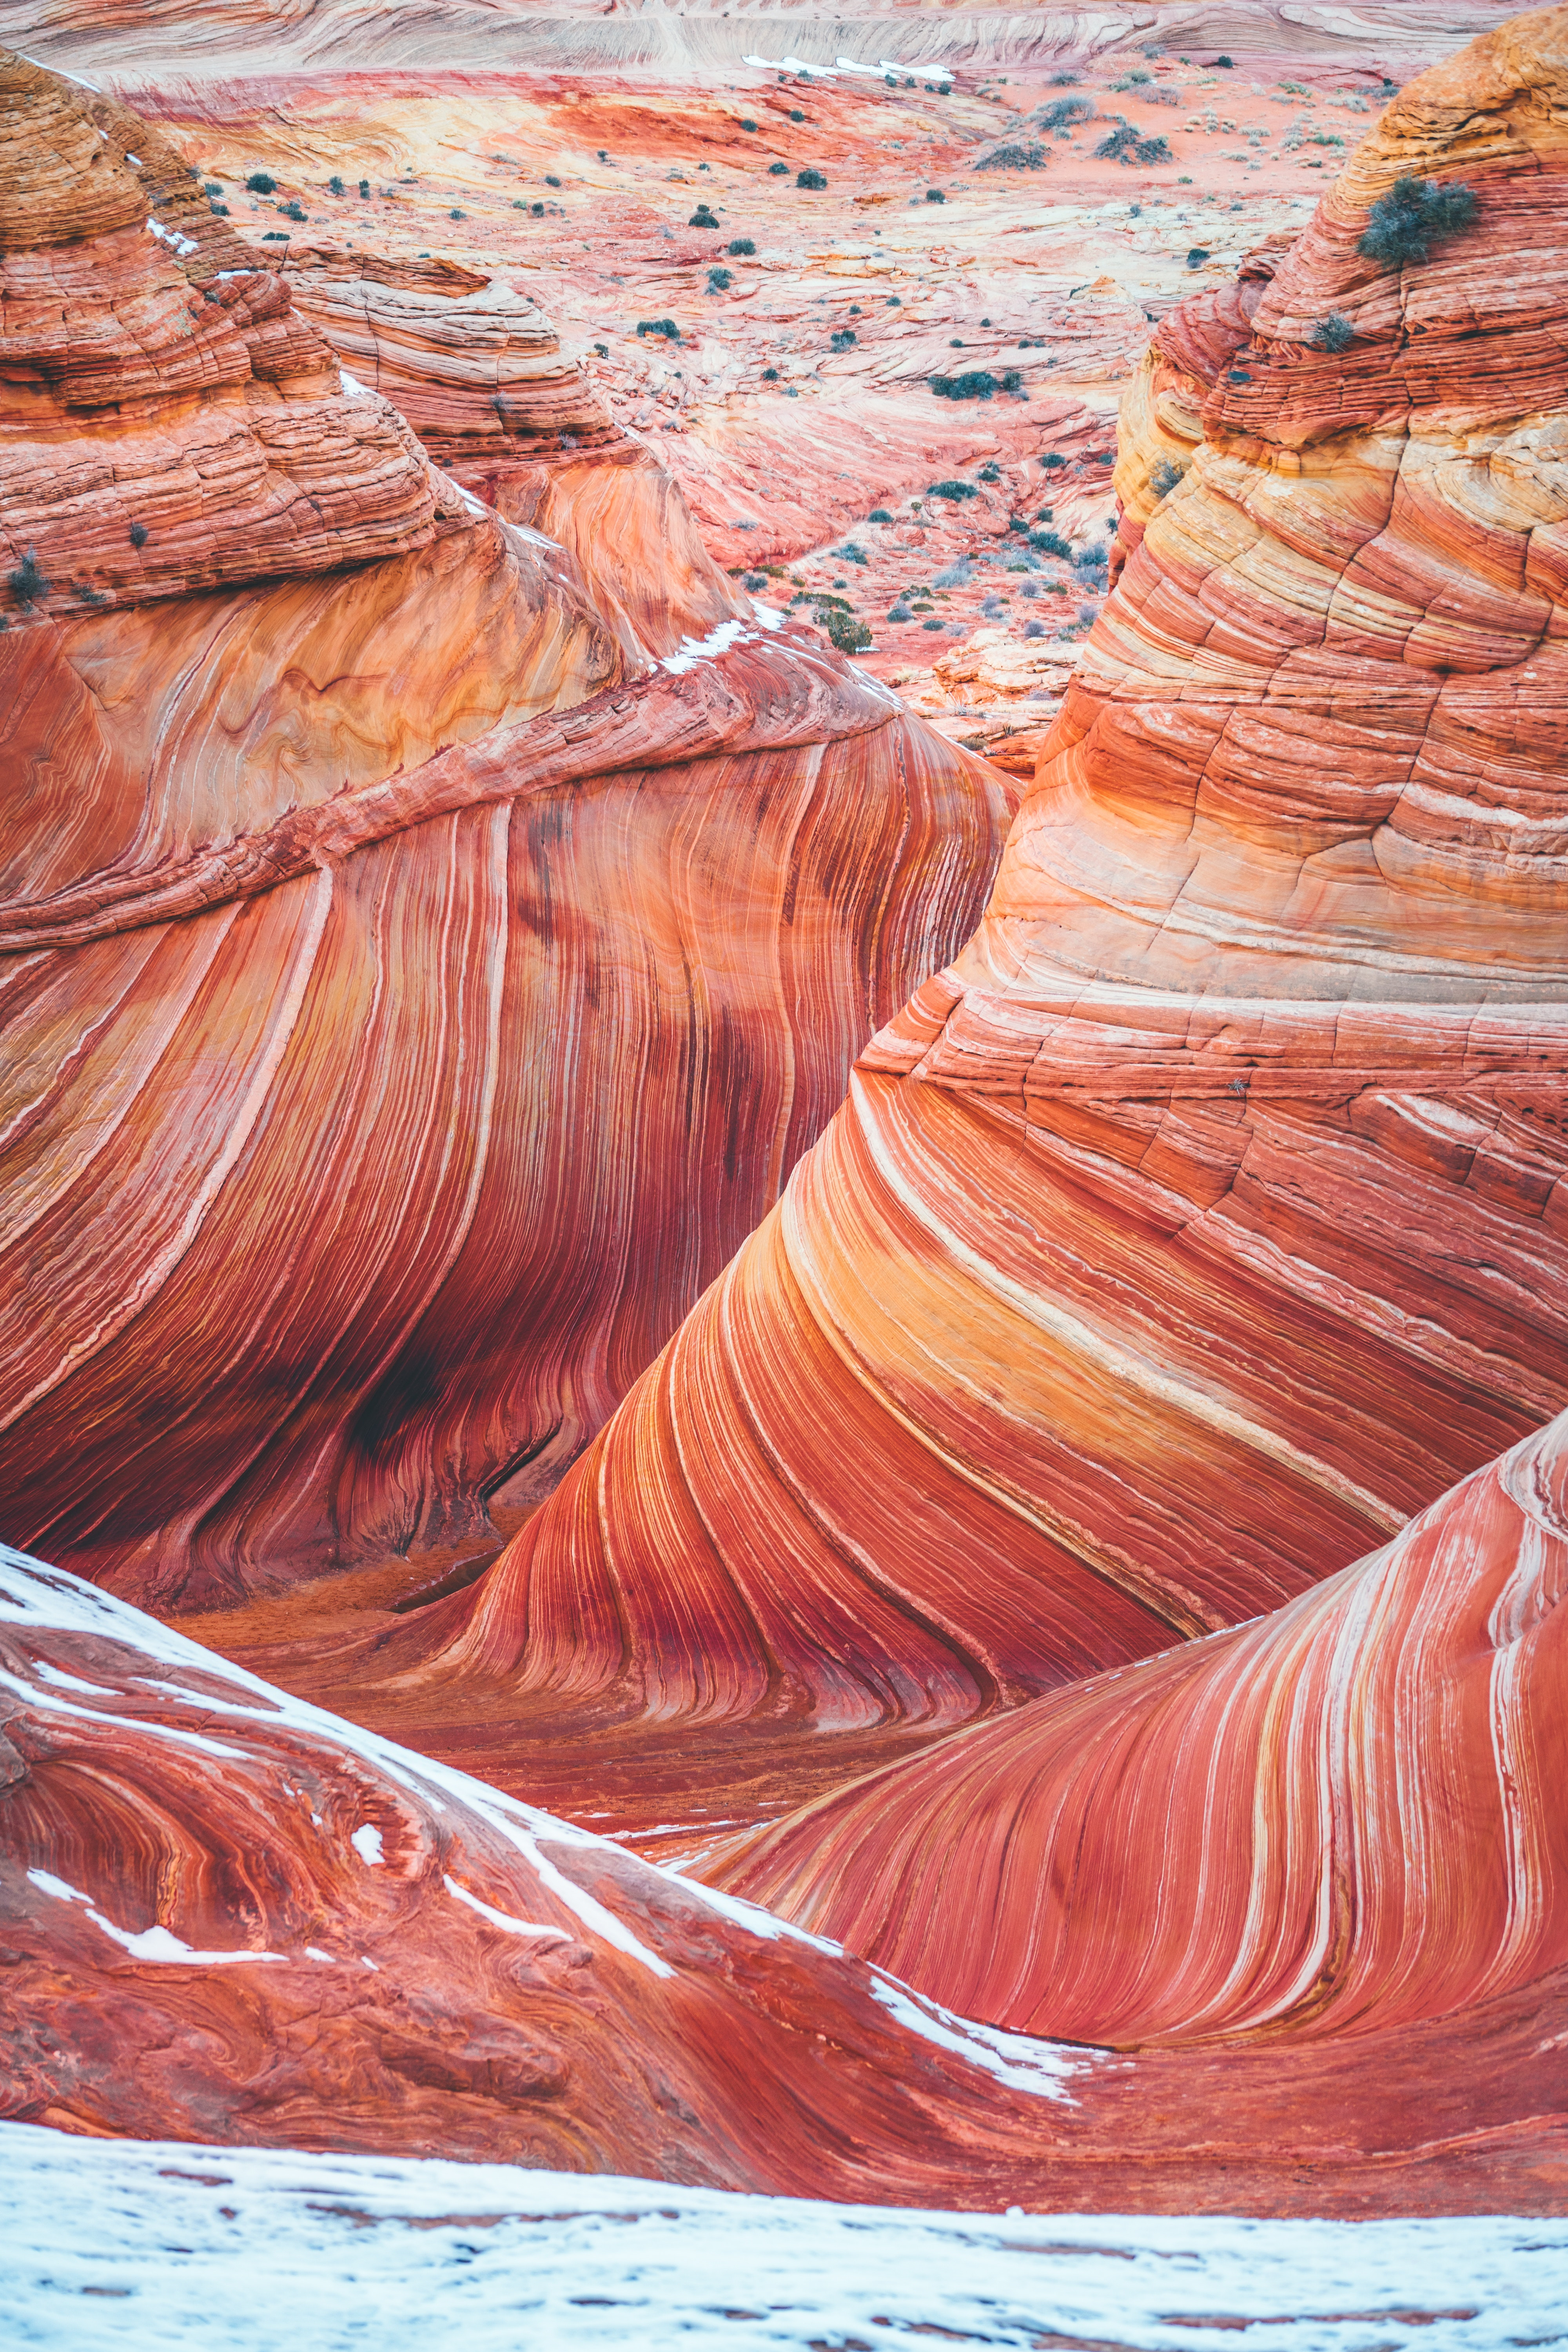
{"points": [[419, 973], [1203, 1221]]}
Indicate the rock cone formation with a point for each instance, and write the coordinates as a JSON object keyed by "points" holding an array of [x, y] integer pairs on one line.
{"points": [[423, 955], [1204, 1220]]}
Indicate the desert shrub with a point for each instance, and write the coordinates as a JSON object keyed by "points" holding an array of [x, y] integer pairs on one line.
{"points": [[934, 624], [214, 207], [1411, 218], [850, 554], [879, 514], [1012, 380], [212, 187], [1196, 256], [294, 210], [900, 612], [26, 582], [1015, 156], [718, 280], [1089, 558], [811, 178], [1163, 476], [1063, 82], [702, 218], [935, 197], [989, 474], [551, 181], [261, 184], [1333, 333], [953, 490], [1049, 543], [1052, 459], [851, 635], [975, 383], [842, 339], [1227, 63], [539, 209], [365, 189], [755, 580], [777, 171], [1133, 80], [335, 184], [274, 237], [796, 115], [1065, 110], [659, 327], [741, 245], [770, 376], [746, 122], [1124, 145], [138, 534], [1033, 628], [455, 215]]}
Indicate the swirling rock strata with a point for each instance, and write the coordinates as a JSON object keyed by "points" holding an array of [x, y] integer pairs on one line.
{"points": [[399, 924], [229, 1917], [1343, 1813], [1205, 1220]]}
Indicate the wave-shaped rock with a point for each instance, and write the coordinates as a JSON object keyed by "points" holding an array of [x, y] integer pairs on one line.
{"points": [[1205, 1220], [1344, 1812], [230, 1918], [424, 956]]}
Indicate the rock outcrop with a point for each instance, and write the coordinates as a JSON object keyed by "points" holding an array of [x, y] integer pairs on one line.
{"points": [[1343, 1815], [424, 956], [1205, 1220], [230, 1918]]}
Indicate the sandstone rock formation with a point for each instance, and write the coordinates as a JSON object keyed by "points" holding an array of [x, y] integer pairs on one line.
{"points": [[229, 1917], [1342, 1816], [1204, 1220], [424, 957]]}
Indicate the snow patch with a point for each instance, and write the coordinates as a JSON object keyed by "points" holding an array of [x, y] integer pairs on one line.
{"points": [[352, 387], [501, 1918], [1023, 2065], [155, 1944], [366, 1844], [569, 2263], [692, 650], [172, 237]]}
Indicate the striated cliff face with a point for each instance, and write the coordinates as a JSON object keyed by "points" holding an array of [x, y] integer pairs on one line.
{"points": [[424, 956], [1343, 1815], [1204, 1220]]}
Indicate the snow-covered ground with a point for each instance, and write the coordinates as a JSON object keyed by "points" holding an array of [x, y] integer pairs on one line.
{"points": [[168, 2248]]}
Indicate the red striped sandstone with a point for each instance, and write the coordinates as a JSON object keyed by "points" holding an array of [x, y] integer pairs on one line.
{"points": [[398, 927]]}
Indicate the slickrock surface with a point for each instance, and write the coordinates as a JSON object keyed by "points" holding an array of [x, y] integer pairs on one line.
{"points": [[230, 1918], [425, 953], [1204, 1220], [1342, 1816]]}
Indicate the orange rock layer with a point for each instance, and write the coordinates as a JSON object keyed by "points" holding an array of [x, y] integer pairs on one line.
{"points": [[229, 1917], [1205, 1219], [1341, 1817], [426, 940]]}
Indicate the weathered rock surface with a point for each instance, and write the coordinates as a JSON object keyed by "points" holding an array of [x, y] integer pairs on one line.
{"points": [[424, 956], [1343, 1815], [1205, 1219], [229, 1917]]}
